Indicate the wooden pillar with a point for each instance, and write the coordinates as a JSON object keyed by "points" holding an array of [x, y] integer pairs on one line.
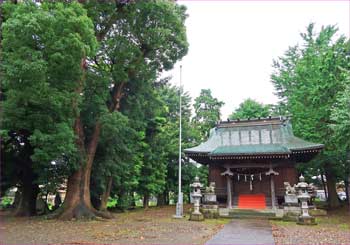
{"points": [[272, 173], [229, 191], [273, 194], [228, 175]]}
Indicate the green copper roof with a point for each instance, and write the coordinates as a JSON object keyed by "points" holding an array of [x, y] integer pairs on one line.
{"points": [[251, 149], [253, 137]]}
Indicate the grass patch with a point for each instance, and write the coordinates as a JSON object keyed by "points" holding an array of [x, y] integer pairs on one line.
{"points": [[344, 226], [220, 221], [282, 223]]}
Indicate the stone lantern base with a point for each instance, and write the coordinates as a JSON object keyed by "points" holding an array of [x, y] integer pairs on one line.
{"points": [[196, 217], [210, 211], [306, 220]]}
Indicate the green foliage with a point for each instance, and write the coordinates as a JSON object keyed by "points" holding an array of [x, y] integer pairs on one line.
{"points": [[250, 108], [97, 62], [112, 202], [144, 39], [42, 49], [207, 112], [6, 202], [341, 117], [308, 80], [190, 137]]}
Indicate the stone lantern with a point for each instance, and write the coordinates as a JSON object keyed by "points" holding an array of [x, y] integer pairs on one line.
{"points": [[302, 189], [196, 195]]}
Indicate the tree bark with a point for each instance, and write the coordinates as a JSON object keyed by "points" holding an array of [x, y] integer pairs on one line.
{"points": [[58, 201], [324, 185], [161, 199], [333, 200], [77, 203], [17, 199], [348, 191], [106, 193], [27, 202], [145, 201]]}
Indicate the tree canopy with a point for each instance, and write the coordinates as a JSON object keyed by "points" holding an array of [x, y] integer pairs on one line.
{"points": [[79, 65], [207, 112], [250, 108], [308, 80]]}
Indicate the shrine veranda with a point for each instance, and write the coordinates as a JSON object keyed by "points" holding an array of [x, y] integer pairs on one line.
{"points": [[249, 161]]}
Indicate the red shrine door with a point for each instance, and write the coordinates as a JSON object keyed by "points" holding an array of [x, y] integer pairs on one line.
{"points": [[251, 189]]}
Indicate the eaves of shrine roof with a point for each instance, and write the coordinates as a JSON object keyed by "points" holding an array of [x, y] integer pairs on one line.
{"points": [[255, 137]]}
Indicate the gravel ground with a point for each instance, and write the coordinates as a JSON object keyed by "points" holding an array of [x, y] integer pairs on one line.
{"points": [[332, 229], [154, 226]]}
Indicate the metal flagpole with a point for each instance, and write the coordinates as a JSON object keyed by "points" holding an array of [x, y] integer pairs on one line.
{"points": [[179, 204]]}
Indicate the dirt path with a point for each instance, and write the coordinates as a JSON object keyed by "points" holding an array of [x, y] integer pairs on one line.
{"points": [[154, 226]]}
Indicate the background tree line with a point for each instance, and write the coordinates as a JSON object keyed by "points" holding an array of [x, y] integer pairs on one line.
{"points": [[83, 102]]}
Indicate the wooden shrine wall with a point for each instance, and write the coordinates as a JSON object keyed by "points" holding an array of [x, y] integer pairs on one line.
{"points": [[287, 173]]}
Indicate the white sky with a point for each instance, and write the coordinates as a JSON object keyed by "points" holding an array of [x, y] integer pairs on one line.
{"points": [[233, 43]]}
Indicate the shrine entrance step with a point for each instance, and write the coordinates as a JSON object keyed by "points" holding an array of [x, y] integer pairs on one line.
{"points": [[251, 213], [252, 201]]}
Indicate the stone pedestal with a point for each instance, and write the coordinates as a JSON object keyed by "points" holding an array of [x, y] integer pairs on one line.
{"points": [[209, 198], [291, 199], [291, 213], [306, 220], [196, 217], [210, 211]]}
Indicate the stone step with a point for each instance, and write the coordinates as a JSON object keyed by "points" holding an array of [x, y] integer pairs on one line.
{"points": [[246, 213], [249, 213], [224, 212]]}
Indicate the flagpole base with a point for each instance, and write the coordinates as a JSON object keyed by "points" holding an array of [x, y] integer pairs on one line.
{"points": [[179, 211]]}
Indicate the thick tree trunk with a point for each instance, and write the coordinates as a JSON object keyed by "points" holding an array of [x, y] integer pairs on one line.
{"points": [[324, 185], [333, 201], [145, 201], [133, 200], [27, 202], [161, 199], [77, 203], [348, 191], [167, 201], [106, 193], [17, 199], [58, 201]]}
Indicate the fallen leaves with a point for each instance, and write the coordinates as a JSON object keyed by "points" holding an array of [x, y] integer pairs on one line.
{"points": [[155, 226], [323, 233]]}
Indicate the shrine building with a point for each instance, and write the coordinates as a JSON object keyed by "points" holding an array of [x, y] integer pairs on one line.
{"points": [[249, 160]]}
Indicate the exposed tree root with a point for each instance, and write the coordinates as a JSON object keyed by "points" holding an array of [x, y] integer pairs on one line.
{"points": [[80, 211]]}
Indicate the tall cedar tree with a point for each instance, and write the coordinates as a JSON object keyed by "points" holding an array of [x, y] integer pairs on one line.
{"points": [[341, 128], [42, 49], [137, 41], [190, 137], [308, 79], [207, 112]]}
